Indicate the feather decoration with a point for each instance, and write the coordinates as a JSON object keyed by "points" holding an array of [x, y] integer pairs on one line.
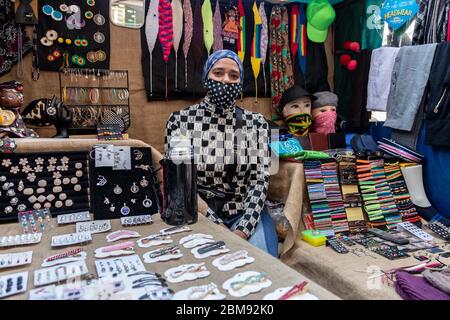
{"points": [[294, 30], [177, 14], [198, 47], [255, 58], [151, 33], [217, 25], [165, 31], [188, 30], [242, 40], [264, 41], [207, 17], [302, 41]]}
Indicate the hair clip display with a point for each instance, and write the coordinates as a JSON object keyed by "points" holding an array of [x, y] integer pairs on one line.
{"points": [[296, 292], [115, 250], [245, 283], [187, 272], [54, 274], [136, 220], [97, 226], [233, 260], [14, 283], [173, 230], [15, 259], [195, 236], [71, 239], [122, 234], [154, 240], [210, 249], [161, 293], [20, 240], [73, 217], [196, 240], [123, 265], [206, 292], [64, 257], [164, 254]]}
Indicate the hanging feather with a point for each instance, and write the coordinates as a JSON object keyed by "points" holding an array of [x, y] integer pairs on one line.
{"points": [[241, 41], [294, 30], [302, 41], [255, 58], [165, 31], [264, 41], [198, 47], [177, 15], [151, 33], [207, 17], [188, 29], [217, 25]]}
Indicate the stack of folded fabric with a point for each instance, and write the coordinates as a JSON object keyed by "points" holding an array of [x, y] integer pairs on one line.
{"points": [[411, 287], [399, 189], [397, 150]]}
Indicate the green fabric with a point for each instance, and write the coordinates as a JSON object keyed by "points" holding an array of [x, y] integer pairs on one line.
{"points": [[311, 155], [207, 17], [372, 29]]}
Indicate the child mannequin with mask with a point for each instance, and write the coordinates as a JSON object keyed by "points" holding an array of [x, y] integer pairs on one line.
{"points": [[295, 108], [324, 112]]}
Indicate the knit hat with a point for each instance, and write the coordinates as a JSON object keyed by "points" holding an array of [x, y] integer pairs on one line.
{"points": [[291, 94], [325, 98]]}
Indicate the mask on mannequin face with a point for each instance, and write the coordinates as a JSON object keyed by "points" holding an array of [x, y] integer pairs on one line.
{"points": [[299, 124], [325, 119], [223, 95], [300, 105]]}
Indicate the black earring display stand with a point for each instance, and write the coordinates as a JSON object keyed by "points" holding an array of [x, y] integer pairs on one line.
{"points": [[14, 167], [125, 179], [93, 93]]}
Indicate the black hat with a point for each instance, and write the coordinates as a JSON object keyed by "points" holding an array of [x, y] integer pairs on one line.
{"points": [[292, 94]]}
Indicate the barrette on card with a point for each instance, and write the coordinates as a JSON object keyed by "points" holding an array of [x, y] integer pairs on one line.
{"points": [[233, 260], [64, 257], [173, 230], [154, 240], [119, 249], [296, 292], [195, 236], [206, 292], [210, 249], [122, 234], [187, 272], [164, 254], [245, 283]]}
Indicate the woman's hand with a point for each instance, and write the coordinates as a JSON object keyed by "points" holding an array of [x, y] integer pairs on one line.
{"points": [[240, 234]]}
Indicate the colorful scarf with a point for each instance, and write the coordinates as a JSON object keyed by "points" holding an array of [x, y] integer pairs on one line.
{"points": [[241, 45], [165, 31], [294, 30], [151, 33], [282, 76], [217, 25], [255, 58], [207, 17], [177, 13], [188, 30], [264, 41], [302, 40]]}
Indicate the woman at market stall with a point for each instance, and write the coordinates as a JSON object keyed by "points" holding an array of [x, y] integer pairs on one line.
{"points": [[231, 153]]}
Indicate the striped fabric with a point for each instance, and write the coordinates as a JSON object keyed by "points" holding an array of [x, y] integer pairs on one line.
{"points": [[294, 30], [242, 39], [302, 39], [431, 22]]}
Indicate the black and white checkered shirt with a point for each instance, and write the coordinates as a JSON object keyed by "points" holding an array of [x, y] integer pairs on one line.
{"points": [[212, 132]]}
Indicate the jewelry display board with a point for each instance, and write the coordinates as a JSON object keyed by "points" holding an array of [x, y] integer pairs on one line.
{"points": [[119, 193], [33, 181], [96, 96]]}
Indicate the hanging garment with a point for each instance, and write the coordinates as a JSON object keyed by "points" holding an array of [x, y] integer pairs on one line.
{"points": [[165, 31], [217, 28], [379, 84], [242, 43], [177, 15], [294, 30], [255, 58], [197, 43], [151, 33], [10, 38], [264, 41], [373, 25], [188, 30], [431, 22], [409, 79], [207, 17], [302, 40], [280, 57]]}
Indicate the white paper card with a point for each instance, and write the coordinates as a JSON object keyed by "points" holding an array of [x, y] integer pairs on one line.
{"points": [[97, 226], [245, 283], [206, 292], [15, 259]]}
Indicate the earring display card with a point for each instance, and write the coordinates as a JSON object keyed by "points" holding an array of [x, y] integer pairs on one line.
{"points": [[13, 283], [119, 266], [20, 240], [54, 274], [57, 181], [97, 226], [74, 217], [71, 239], [34, 221], [15, 259], [119, 193]]}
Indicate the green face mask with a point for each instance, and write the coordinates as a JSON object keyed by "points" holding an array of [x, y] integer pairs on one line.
{"points": [[298, 124]]}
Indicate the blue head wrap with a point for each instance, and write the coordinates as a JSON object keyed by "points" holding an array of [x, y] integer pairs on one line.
{"points": [[221, 54]]}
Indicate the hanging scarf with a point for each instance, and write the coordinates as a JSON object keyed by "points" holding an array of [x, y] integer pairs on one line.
{"points": [[280, 57], [151, 33], [197, 38], [294, 30], [302, 41], [177, 13], [208, 36], [264, 41], [217, 25], [188, 29], [165, 30], [241, 41], [299, 124], [255, 58]]}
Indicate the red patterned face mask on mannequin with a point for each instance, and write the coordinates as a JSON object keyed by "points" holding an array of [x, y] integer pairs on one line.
{"points": [[325, 122]]}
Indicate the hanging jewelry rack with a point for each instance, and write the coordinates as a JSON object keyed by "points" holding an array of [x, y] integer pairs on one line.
{"points": [[95, 96]]}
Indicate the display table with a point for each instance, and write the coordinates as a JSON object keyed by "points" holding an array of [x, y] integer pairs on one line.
{"points": [[280, 274]]}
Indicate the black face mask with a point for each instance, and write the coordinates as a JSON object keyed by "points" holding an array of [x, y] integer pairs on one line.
{"points": [[223, 95]]}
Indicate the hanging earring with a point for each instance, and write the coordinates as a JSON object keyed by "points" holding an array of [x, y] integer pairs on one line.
{"points": [[112, 208], [134, 188], [117, 189], [101, 181], [106, 201], [144, 182], [147, 203], [125, 210], [133, 201]]}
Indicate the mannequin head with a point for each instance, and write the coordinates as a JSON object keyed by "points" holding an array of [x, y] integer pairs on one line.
{"points": [[324, 112]]}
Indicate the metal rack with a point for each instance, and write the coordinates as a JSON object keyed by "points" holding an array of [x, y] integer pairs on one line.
{"points": [[77, 86]]}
